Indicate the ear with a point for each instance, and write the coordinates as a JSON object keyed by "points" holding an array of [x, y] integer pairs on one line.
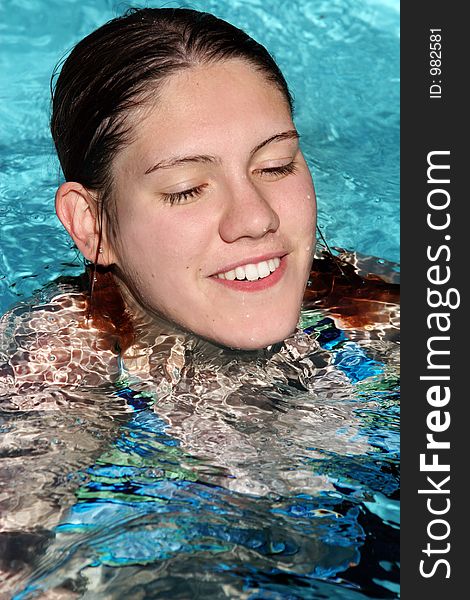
{"points": [[77, 210]]}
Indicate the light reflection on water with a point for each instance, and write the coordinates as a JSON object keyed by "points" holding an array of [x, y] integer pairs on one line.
{"points": [[232, 474]]}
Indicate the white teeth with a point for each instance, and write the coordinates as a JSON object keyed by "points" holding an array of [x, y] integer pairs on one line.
{"points": [[252, 272], [263, 269], [240, 273]]}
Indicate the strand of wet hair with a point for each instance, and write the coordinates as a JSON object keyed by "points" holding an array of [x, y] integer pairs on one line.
{"points": [[335, 259], [97, 254]]}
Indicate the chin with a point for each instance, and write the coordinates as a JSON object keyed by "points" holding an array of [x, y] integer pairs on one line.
{"points": [[257, 338]]}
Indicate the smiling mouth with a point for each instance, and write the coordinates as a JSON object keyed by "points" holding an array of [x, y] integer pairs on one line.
{"points": [[252, 271]]}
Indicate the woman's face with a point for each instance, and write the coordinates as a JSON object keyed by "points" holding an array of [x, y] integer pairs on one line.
{"points": [[215, 207]]}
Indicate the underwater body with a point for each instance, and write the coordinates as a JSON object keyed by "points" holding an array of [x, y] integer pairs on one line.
{"points": [[186, 468]]}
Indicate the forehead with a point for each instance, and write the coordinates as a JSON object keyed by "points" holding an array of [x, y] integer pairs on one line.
{"points": [[225, 103], [235, 82]]}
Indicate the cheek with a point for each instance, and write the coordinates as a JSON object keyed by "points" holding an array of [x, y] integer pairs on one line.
{"points": [[308, 204], [298, 209], [153, 240]]}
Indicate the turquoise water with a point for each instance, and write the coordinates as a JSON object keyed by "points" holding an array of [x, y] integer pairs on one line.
{"points": [[340, 57], [284, 486]]}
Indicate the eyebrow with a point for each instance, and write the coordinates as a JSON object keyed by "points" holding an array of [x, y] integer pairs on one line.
{"points": [[292, 134], [177, 161]]}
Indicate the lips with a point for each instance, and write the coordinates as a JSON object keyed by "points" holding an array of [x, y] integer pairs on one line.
{"points": [[254, 274], [252, 271]]}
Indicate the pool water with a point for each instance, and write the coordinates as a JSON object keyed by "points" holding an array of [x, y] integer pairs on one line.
{"points": [[283, 486], [225, 474], [340, 57]]}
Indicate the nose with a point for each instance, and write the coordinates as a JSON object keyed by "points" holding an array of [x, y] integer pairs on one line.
{"points": [[248, 214]]}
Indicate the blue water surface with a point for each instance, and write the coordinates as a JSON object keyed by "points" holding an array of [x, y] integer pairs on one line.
{"points": [[340, 57]]}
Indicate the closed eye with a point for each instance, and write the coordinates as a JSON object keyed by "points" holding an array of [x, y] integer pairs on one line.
{"points": [[277, 172], [192, 193], [179, 197]]}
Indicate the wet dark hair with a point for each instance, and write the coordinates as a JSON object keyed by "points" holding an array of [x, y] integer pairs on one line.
{"points": [[121, 65]]}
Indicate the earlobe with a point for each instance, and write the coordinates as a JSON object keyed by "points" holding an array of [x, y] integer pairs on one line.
{"points": [[76, 208]]}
